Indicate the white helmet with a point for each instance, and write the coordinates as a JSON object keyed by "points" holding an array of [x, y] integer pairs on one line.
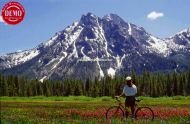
{"points": [[128, 78]]}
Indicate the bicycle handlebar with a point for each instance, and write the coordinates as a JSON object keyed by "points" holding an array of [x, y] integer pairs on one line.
{"points": [[118, 99]]}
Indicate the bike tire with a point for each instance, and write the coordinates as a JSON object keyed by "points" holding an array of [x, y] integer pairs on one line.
{"points": [[114, 114], [144, 113]]}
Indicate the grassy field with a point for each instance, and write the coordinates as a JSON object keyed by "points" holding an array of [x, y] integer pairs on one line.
{"points": [[86, 110]]}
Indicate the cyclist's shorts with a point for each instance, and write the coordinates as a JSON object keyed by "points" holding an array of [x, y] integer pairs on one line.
{"points": [[130, 101]]}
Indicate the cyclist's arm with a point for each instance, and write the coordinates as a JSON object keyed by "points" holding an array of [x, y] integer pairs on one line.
{"points": [[135, 90], [121, 94]]}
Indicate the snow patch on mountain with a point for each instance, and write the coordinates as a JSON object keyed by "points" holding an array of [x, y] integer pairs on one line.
{"points": [[111, 72], [55, 63], [159, 46], [119, 61], [51, 41], [72, 37], [173, 46], [184, 38], [187, 30], [100, 69], [180, 41], [59, 61], [14, 59], [129, 29], [104, 38], [72, 33], [71, 28], [42, 79], [85, 57]]}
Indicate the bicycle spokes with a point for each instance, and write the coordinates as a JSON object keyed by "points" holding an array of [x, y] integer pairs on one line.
{"points": [[114, 114], [144, 113]]}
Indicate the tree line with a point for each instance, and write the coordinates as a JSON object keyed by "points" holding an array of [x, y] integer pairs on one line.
{"points": [[148, 84]]}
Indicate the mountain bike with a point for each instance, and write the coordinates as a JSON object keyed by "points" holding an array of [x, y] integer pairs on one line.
{"points": [[118, 113]]}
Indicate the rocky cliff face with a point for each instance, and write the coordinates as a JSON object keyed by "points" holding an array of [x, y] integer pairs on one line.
{"points": [[95, 47]]}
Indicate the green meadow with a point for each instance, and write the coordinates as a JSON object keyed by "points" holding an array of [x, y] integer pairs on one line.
{"points": [[87, 110]]}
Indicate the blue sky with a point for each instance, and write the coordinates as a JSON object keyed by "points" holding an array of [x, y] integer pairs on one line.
{"points": [[46, 17]]}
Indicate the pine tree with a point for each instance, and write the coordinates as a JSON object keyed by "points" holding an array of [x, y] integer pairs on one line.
{"points": [[3, 86], [68, 89], [16, 85], [77, 90], [188, 83], [29, 90], [46, 88], [87, 87]]}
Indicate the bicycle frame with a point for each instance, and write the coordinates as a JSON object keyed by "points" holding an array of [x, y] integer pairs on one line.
{"points": [[123, 107], [125, 111]]}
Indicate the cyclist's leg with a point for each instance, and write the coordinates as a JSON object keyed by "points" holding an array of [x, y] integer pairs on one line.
{"points": [[127, 111], [133, 110], [133, 107], [127, 107]]}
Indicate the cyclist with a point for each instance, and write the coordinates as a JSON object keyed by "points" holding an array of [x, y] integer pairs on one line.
{"points": [[129, 90]]}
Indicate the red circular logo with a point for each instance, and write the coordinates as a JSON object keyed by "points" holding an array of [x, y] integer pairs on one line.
{"points": [[13, 13]]}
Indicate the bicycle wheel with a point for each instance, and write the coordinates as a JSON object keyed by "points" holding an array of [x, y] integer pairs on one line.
{"points": [[144, 113], [114, 114]]}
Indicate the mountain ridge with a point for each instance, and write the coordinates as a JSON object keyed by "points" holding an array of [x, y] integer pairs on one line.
{"points": [[94, 39]]}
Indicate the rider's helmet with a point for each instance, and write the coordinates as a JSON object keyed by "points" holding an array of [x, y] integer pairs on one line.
{"points": [[128, 78]]}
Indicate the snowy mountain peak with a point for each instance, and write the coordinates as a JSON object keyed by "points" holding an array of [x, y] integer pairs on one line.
{"points": [[17, 58], [89, 19], [89, 14], [109, 45], [51, 40], [158, 45], [187, 31], [114, 18], [182, 37]]}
